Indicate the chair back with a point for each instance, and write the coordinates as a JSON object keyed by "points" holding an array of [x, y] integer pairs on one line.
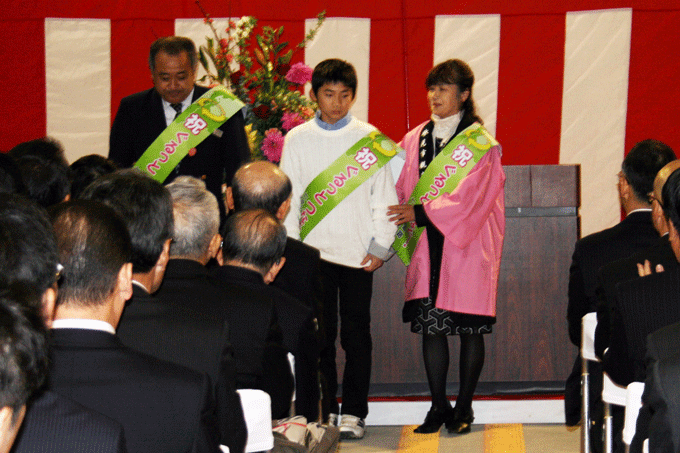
{"points": [[588, 325], [633, 405], [257, 410]]}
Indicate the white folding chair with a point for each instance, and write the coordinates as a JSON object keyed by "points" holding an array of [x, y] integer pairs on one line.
{"points": [[611, 394], [257, 410], [588, 324], [633, 404]]}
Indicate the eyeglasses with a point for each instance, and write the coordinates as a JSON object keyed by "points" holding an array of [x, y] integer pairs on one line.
{"points": [[57, 274], [651, 199]]}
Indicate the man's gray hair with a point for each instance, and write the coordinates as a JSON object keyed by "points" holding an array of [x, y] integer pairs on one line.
{"points": [[196, 215]]}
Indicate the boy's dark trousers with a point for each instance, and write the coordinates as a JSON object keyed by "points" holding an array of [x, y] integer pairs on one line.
{"points": [[347, 290]]}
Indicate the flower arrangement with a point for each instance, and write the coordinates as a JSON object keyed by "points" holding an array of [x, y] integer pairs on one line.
{"points": [[260, 73]]}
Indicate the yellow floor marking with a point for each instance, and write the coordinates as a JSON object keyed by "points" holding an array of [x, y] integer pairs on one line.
{"points": [[506, 438], [411, 442]]}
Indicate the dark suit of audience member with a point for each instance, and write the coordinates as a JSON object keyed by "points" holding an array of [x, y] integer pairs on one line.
{"points": [[645, 304], [633, 234], [185, 322], [262, 185], [299, 336], [162, 406], [56, 424], [662, 346], [259, 354], [608, 318]]}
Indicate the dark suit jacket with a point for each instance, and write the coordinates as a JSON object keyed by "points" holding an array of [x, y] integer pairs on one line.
{"points": [[301, 275], [259, 354], [299, 337], [636, 232], [608, 317], [55, 424], [662, 355], [645, 304], [185, 322], [162, 406], [140, 120]]}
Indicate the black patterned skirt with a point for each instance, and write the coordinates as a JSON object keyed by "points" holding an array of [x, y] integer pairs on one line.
{"points": [[430, 320]]}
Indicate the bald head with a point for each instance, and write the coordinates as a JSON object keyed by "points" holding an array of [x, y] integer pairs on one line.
{"points": [[662, 177], [260, 185], [658, 215]]}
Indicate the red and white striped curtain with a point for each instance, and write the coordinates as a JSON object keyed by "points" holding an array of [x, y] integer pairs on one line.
{"points": [[556, 82]]}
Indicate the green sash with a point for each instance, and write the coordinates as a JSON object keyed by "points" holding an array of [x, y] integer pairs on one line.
{"points": [[348, 172], [443, 175], [190, 128]]}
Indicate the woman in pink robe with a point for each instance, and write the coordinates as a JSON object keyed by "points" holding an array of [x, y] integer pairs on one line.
{"points": [[452, 280]]}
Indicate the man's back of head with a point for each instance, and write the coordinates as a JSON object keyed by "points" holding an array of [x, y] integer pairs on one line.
{"points": [[94, 246], [253, 239], [260, 185], [642, 164], [10, 175], [87, 169], [28, 248], [196, 220], [145, 207], [23, 358]]}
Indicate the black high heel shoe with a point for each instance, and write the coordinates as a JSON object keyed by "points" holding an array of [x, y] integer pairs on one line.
{"points": [[460, 423], [434, 420]]}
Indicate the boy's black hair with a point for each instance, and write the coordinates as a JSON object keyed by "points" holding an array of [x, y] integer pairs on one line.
{"points": [[334, 70], [47, 181]]}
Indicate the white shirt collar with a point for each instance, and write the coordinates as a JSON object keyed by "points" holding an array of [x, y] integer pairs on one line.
{"points": [[90, 324], [444, 128], [170, 112], [135, 282], [639, 210]]}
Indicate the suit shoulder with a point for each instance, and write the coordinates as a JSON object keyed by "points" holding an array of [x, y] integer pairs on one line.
{"points": [[141, 97], [162, 369]]}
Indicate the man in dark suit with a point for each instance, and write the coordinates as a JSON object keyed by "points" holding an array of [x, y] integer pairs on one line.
{"points": [[251, 256], [162, 406], [609, 324], [186, 321], [146, 208], [636, 232], [262, 185], [28, 256], [143, 116]]}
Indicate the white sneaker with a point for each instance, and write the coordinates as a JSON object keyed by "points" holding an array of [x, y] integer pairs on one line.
{"points": [[352, 427], [333, 419]]}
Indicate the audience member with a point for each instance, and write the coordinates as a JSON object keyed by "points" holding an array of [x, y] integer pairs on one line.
{"points": [[28, 255], [146, 208], [23, 359], [186, 321], [44, 170], [162, 406], [87, 169], [609, 324], [10, 176], [263, 185], [253, 243], [636, 232]]}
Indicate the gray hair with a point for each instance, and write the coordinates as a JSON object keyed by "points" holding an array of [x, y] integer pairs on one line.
{"points": [[196, 215]]}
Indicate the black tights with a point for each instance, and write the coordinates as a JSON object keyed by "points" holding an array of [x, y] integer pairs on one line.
{"points": [[436, 357]]}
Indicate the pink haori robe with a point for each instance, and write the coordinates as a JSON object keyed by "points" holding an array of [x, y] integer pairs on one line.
{"points": [[472, 221]]}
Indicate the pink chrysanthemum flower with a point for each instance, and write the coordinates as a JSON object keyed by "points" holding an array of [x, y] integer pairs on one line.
{"points": [[299, 73], [291, 119], [272, 145]]}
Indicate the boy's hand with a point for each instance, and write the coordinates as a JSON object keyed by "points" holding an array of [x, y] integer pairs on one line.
{"points": [[403, 213], [375, 263], [645, 268]]}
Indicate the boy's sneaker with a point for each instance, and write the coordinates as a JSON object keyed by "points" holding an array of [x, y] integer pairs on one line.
{"points": [[333, 419], [352, 427]]}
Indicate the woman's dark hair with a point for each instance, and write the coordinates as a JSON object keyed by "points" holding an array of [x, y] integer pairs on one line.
{"points": [[455, 72]]}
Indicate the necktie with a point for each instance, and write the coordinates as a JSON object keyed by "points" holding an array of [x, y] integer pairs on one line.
{"points": [[178, 109]]}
